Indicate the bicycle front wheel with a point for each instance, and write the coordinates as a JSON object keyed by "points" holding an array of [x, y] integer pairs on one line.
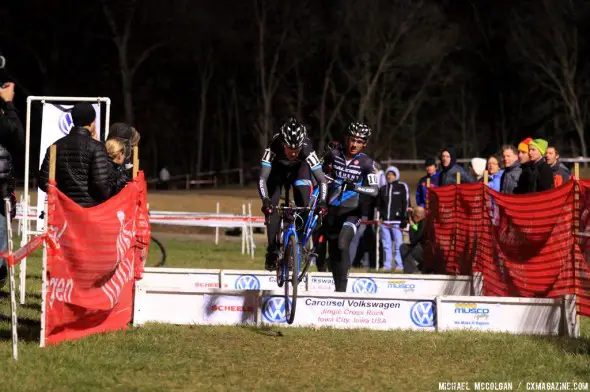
{"points": [[291, 274]]}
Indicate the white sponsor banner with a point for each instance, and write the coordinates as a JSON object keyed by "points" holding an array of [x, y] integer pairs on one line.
{"points": [[242, 280], [180, 278], [534, 316], [376, 284], [56, 123], [350, 312], [230, 309], [396, 284]]}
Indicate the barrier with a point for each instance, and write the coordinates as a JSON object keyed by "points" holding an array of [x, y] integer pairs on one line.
{"points": [[351, 310], [360, 283], [523, 245]]}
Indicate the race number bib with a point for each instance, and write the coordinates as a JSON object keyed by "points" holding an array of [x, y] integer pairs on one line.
{"points": [[312, 159], [268, 156], [372, 179]]}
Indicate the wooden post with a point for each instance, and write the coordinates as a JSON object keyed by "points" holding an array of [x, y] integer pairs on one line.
{"points": [[52, 160], [458, 178], [485, 177], [135, 161], [427, 182]]}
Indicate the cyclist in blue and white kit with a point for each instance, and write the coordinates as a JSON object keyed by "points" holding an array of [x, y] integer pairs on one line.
{"points": [[356, 172], [288, 159]]}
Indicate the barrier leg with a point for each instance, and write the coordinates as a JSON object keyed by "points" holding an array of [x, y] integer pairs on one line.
{"points": [[217, 228], [13, 316], [24, 239], [244, 234], [52, 157], [377, 241], [251, 230]]}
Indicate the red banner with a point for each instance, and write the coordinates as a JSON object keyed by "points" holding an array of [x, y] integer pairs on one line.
{"points": [[524, 245], [98, 252]]}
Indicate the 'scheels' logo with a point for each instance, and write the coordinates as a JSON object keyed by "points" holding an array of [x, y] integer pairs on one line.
{"points": [[364, 286], [247, 282], [422, 314], [65, 122], [273, 310]]}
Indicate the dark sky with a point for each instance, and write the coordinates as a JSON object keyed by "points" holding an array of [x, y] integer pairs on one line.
{"points": [[215, 78]]}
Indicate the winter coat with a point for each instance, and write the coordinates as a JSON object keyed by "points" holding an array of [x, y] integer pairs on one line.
{"points": [[82, 168]]}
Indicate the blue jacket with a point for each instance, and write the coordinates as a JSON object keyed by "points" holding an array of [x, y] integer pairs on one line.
{"points": [[421, 190], [494, 181]]}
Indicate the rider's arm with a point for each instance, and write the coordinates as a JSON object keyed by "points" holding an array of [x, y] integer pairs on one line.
{"points": [[316, 169], [370, 185], [265, 168]]}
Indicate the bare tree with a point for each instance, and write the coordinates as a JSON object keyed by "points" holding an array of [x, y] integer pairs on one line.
{"points": [[547, 39], [121, 35], [205, 66]]}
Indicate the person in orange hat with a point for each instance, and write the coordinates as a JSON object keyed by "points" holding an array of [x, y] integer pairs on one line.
{"points": [[523, 150], [537, 175]]}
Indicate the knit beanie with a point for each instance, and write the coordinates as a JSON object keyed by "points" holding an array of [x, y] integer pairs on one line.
{"points": [[540, 144], [524, 145], [83, 114]]}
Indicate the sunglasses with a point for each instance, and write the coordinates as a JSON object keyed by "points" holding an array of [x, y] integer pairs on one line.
{"points": [[357, 141]]}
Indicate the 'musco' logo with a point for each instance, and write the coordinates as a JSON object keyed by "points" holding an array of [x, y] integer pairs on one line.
{"points": [[470, 308]]}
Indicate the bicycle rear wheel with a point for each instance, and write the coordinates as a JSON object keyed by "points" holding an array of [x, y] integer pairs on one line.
{"points": [[291, 273]]}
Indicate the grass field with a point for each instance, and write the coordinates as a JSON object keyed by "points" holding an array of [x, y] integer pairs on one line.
{"points": [[158, 357]]}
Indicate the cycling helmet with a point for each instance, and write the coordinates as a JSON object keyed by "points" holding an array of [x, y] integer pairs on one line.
{"points": [[360, 130], [293, 133]]}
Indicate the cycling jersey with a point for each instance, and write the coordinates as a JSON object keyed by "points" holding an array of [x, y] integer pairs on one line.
{"points": [[360, 169], [275, 160]]}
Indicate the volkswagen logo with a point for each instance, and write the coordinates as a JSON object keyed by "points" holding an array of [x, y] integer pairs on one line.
{"points": [[247, 282], [364, 286], [422, 314], [65, 123], [273, 310]]}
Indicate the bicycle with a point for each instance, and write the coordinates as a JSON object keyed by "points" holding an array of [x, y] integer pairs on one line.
{"points": [[290, 271], [162, 249]]}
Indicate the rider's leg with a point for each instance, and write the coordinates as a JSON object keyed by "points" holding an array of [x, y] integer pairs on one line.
{"points": [[340, 270], [274, 190]]}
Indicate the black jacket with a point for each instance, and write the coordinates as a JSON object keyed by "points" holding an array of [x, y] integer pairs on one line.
{"points": [[393, 201], [417, 233], [535, 177], [82, 168], [118, 177], [12, 141], [448, 175]]}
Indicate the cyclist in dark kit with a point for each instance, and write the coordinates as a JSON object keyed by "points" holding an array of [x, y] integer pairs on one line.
{"points": [[289, 159], [355, 175]]}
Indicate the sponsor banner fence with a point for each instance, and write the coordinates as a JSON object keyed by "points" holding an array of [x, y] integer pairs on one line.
{"points": [[533, 316], [96, 255], [380, 284], [346, 310], [523, 245]]}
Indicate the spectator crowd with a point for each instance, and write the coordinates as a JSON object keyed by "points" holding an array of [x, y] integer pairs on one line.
{"points": [[531, 166]]}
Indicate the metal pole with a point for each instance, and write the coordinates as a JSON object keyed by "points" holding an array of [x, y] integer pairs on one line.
{"points": [[217, 227], [25, 221], [377, 240], [9, 247]]}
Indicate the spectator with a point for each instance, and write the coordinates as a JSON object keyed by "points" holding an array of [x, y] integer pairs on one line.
{"points": [[478, 166], [128, 135], [82, 166], [117, 174], [412, 253], [512, 169], [560, 172], [431, 173], [523, 150], [450, 168], [494, 173], [525, 165], [12, 140], [393, 202], [537, 175]]}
